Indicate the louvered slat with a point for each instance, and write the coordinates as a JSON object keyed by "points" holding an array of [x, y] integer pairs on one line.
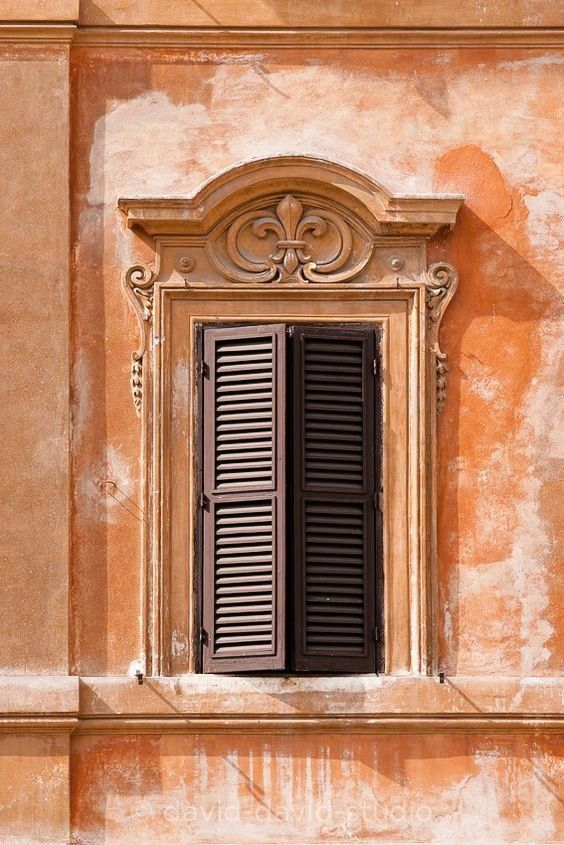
{"points": [[244, 471], [334, 520]]}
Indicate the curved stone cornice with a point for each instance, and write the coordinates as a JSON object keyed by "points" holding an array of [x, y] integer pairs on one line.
{"points": [[239, 188]]}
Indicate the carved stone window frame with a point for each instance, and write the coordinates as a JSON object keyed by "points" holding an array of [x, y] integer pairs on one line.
{"points": [[289, 238]]}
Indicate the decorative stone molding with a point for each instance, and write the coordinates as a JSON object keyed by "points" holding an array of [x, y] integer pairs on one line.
{"points": [[367, 38], [185, 264], [441, 281], [37, 33], [139, 286], [317, 183], [293, 221], [305, 245]]}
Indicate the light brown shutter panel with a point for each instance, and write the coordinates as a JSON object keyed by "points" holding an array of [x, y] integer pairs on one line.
{"points": [[244, 498], [334, 435]]}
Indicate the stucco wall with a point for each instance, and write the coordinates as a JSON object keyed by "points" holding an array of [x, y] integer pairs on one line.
{"points": [[476, 122], [116, 121]]}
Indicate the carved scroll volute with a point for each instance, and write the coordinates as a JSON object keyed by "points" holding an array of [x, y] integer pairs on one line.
{"points": [[139, 285], [441, 281], [289, 244]]}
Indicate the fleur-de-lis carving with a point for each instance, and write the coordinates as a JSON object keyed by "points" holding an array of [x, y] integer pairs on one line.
{"points": [[323, 256], [290, 248]]}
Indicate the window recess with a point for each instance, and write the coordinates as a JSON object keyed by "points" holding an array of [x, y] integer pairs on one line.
{"points": [[291, 457]]}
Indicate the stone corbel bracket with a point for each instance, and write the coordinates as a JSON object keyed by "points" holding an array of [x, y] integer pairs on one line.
{"points": [[139, 286], [441, 281]]}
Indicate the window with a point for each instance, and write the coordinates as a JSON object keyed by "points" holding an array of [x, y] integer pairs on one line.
{"points": [[291, 468], [289, 241]]}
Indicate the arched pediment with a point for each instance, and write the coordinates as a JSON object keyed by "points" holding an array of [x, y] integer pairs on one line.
{"points": [[292, 221], [260, 182]]}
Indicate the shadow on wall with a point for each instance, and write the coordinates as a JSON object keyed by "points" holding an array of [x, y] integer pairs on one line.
{"points": [[93, 492], [229, 788], [491, 329]]}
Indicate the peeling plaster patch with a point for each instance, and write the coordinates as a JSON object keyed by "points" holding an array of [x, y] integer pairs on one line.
{"points": [[105, 503], [542, 405], [81, 397], [482, 380], [544, 202], [474, 808], [220, 58], [470, 810], [136, 666], [535, 62], [545, 225], [150, 145], [523, 168], [140, 146], [523, 581], [180, 388], [180, 645]]}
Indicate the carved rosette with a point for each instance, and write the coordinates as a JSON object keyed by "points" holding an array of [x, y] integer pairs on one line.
{"points": [[139, 285], [441, 281], [290, 244]]}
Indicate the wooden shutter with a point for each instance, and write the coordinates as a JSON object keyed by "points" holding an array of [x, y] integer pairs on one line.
{"points": [[334, 498], [244, 498]]}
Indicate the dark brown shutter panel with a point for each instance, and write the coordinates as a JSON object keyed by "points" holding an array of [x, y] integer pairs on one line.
{"points": [[334, 487], [244, 505]]}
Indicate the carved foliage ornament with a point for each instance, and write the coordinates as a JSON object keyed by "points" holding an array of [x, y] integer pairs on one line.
{"points": [[139, 286], [289, 244], [441, 281]]}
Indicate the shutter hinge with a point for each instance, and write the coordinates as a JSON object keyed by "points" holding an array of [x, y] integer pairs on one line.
{"points": [[290, 330], [376, 634], [204, 370], [379, 501], [203, 636], [376, 366], [203, 501]]}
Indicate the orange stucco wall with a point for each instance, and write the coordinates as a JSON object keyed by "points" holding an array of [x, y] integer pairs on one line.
{"points": [[83, 125]]}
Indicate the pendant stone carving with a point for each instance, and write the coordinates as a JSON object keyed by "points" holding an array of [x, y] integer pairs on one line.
{"points": [[139, 286], [290, 244], [441, 281]]}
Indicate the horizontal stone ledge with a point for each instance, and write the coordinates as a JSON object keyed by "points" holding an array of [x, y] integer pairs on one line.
{"points": [[50, 695], [359, 38], [253, 724], [36, 34], [352, 697], [365, 38], [38, 724], [359, 695]]}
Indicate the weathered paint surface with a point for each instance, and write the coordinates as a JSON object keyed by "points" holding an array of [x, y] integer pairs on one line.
{"points": [[34, 789], [321, 788], [158, 123], [479, 122], [34, 343]]}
